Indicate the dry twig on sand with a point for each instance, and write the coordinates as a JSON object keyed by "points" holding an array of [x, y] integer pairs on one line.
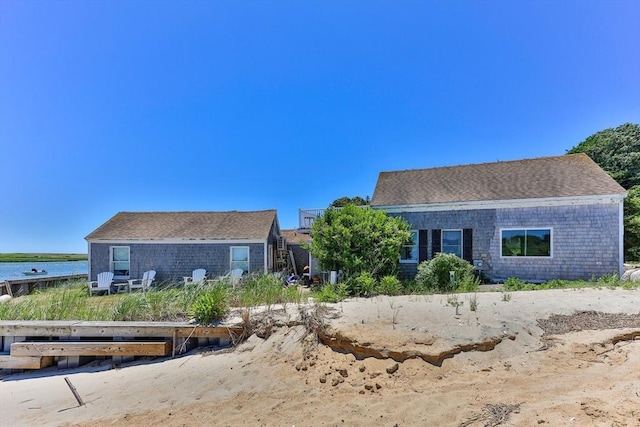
{"points": [[493, 415], [558, 324]]}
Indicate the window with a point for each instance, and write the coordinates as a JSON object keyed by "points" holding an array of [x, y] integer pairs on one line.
{"points": [[409, 253], [240, 258], [120, 261], [452, 242], [526, 242]]}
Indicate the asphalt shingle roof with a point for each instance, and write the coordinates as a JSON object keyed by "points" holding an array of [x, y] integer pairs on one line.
{"points": [[546, 177], [186, 225]]}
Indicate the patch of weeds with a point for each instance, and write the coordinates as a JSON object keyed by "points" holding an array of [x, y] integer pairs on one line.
{"points": [[473, 302], [467, 283], [394, 317], [211, 304], [513, 284], [506, 296], [453, 301]]}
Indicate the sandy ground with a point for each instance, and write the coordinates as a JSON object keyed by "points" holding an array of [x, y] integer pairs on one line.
{"points": [[387, 361]]}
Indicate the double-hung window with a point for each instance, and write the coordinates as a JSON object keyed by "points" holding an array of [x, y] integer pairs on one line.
{"points": [[240, 258], [120, 261], [409, 252], [452, 242], [527, 242]]}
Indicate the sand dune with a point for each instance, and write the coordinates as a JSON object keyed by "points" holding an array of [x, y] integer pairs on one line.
{"points": [[383, 361]]}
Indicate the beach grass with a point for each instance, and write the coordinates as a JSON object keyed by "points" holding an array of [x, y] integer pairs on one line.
{"points": [[166, 302], [208, 303]]}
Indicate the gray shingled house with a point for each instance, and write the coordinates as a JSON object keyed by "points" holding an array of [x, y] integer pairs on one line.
{"points": [[176, 243], [535, 219]]}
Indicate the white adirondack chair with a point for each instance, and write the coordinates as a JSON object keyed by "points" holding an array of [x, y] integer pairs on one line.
{"points": [[102, 284], [232, 277], [236, 275], [144, 283], [196, 277]]}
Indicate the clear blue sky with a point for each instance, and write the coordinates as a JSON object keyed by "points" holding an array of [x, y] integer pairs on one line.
{"points": [[109, 106]]}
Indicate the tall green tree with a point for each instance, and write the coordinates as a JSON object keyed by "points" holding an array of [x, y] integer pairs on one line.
{"points": [[344, 201], [617, 151], [632, 224], [358, 239]]}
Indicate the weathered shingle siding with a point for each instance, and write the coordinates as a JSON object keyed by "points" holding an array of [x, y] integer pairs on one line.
{"points": [[585, 242], [482, 222], [585, 239], [174, 261]]}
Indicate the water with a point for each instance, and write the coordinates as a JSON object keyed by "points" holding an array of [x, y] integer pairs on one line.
{"points": [[13, 270]]}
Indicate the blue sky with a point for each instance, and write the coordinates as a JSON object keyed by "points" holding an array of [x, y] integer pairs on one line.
{"points": [[249, 105]]}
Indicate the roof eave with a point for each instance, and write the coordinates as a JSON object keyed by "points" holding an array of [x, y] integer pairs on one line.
{"points": [[505, 204]]}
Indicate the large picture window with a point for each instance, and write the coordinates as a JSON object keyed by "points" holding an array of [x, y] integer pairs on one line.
{"points": [[409, 253], [534, 242], [452, 242], [240, 258], [120, 262]]}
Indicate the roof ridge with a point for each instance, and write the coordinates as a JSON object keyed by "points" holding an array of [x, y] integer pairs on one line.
{"points": [[489, 163]]}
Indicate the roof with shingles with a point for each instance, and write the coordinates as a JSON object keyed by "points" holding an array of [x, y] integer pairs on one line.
{"points": [[186, 225], [295, 237], [546, 177]]}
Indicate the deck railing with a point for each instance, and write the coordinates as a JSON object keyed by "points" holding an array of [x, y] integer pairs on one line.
{"points": [[307, 216]]}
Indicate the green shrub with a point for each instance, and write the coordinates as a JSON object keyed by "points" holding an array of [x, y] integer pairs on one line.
{"points": [[611, 281], [434, 274], [342, 291], [362, 285], [326, 293], [210, 304], [513, 284], [390, 285]]}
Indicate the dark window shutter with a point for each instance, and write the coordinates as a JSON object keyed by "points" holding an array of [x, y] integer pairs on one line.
{"points": [[436, 242], [423, 245], [467, 244]]}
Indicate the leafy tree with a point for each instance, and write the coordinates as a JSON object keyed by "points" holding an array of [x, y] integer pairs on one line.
{"points": [[358, 239], [617, 151], [632, 224], [344, 201]]}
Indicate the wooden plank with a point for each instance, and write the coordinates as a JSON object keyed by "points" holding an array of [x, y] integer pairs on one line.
{"points": [[113, 329], [89, 348], [25, 362], [7, 286]]}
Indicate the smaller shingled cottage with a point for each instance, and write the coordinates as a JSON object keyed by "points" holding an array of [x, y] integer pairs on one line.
{"points": [[535, 219], [176, 243]]}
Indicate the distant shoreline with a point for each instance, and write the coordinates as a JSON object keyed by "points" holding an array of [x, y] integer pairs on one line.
{"points": [[41, 257]]}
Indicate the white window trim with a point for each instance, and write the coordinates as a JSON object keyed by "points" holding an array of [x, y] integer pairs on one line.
{"points": [[416, 245], [248, 257], [527, 256], [461, 231], [269, 257], [112, 262]]}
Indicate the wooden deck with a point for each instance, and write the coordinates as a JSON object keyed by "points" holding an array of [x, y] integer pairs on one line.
{"points": [[38, 344], [18, 287]]}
